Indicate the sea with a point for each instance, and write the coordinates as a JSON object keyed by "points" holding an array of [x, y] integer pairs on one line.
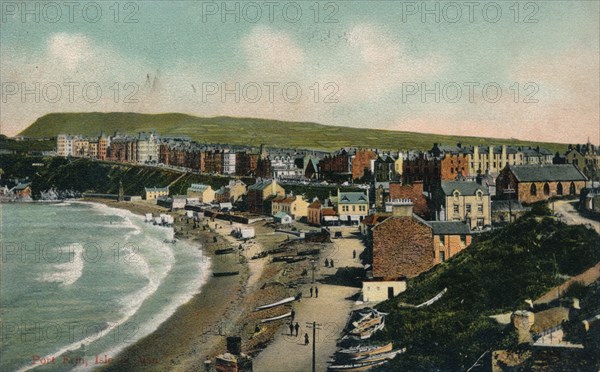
{"points": [[81, 281]]}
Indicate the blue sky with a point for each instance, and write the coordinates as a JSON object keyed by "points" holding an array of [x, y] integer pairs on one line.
{"points": [[370, 63]]}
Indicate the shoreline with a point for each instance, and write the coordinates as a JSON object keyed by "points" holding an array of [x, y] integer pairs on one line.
{"points": [[191, 332]]}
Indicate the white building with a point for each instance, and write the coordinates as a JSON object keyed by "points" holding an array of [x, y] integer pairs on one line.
{"points": [[147, 147], [229, 162], [64, 145]]}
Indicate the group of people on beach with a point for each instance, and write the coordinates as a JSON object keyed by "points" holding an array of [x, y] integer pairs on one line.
{"points": [[296, 327], [329, 262]]}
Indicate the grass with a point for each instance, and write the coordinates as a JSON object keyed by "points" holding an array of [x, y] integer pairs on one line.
{"points": [[494, 275], [247, 131]]}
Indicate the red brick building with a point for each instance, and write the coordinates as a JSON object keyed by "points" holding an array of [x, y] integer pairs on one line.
{"points": [[532, 183], [361, 163], [413, 192], [406, 246], [336, 165]]}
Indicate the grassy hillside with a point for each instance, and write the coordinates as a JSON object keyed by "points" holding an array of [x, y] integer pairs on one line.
{"points": [[494, 275], [244, 131]]}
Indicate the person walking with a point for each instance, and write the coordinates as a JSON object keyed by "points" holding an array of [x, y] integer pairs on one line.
{"points": [[311, 291], [291, 329], [297, 327], [326, 263], [293, 315], [354, 253], [331, 263], [306, 339], [317, 292]]}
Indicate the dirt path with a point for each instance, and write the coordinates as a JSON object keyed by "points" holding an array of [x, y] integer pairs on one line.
{"points": [[330, 310], [566, 210]]}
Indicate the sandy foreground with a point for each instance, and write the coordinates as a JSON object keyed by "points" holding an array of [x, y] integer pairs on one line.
{"points": [[224, 307]]}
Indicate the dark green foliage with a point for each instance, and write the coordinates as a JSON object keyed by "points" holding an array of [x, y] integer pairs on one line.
{"points": [[494, 275], [27, 145]]}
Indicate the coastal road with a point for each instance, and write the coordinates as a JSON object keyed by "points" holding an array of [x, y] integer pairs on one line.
{"points": [[566, 210], [330, 310]]}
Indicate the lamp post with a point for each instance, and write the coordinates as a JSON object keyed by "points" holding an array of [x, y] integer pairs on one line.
{"points": [[313, 264], [509, 191]]}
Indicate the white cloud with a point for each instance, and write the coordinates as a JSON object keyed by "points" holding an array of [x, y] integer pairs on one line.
{"points": [[272, 53], [70, 49]]}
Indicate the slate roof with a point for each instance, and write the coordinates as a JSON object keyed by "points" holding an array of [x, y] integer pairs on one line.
{"points": [[547, 173], [280, 215], [464, 187], [22, 186], [449, 228], [155, 189], [260, 185], [502, 205], [198, 187], [352, 198]]}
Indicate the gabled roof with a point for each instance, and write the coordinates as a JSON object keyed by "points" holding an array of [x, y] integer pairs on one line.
{"points": [[22, 186], [449, 228], [352, 198], [198, 187], [547, 173], [374, 219], [328, 211], [280, 215], [260, 185], [464, 187]]}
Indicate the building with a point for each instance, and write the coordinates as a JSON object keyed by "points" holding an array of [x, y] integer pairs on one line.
{"points": [[352, 207], [590, 200], [22, 190], [336, 166], [504, 211], [313, 213], [204, 193], [586, 158], [532, 183], [152, 193], [283, 165], [295, 206], [228, 162], [413, 192], [361, 163], [232, 192], [147, 147], [405, 245], [384, 168], [64, 145], [465, 201], [283, 218], [260, 193]]}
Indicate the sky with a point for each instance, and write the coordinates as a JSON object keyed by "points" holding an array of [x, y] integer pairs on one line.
{"points": [[526, 70]]}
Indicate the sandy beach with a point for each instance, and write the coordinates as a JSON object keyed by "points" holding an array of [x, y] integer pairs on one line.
{"points": [[225, 305]]}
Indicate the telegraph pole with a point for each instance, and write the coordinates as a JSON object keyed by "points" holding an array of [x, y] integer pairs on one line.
{"points": [[314, 326], [510, 192]]}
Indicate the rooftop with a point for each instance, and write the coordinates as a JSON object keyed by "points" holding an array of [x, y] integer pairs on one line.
{"points": [[463, 187], [541, 173]]}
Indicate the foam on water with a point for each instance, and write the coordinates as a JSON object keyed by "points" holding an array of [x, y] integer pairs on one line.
{"points": [[66, 273], [154, 268]]}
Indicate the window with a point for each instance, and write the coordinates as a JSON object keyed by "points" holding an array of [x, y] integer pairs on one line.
{"points": [[533, 189], [468, 208], [455, 208], [480, 222], [546, 189], [559, 189], [480, 208], [442, 256], [572, 189], [353, 208]]}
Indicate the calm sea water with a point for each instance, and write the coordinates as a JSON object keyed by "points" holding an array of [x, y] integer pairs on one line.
{"points": [[76, 274]]}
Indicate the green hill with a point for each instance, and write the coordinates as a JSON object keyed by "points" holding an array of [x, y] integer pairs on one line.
{"points": [[246, 131], [494, 275]]}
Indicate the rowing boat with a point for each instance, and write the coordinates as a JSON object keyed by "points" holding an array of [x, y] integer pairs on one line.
{"points": [[225, 251], [355, 366], [378, 357], [362, 351], [283, 316], [281, 302], [226, 273]]}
